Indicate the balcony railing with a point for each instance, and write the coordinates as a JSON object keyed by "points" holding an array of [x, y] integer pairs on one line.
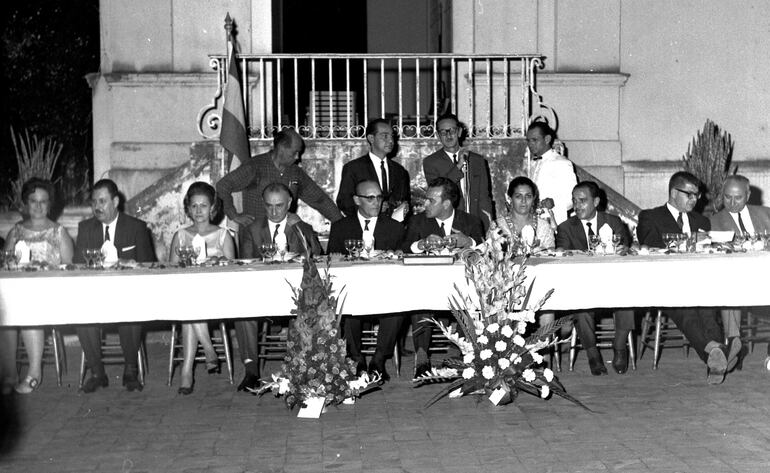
{"points": [[333, 96]]}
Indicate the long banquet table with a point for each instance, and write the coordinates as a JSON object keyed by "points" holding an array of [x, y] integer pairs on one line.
{"points": [[258, 290]]}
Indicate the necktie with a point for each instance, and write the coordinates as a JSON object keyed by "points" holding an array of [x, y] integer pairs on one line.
{"points": [[680, 221], [384, 173], [590, 230], [275, 233], [741, 225], [443, 229], [107, 233], [454, 158], [366, 225]]}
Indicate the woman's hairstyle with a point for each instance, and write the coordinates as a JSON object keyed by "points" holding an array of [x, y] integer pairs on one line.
{"points": [[524, 181], [205, 189], [33, 184]]}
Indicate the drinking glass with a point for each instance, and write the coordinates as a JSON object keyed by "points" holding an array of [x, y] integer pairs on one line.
{"points": [[594, 242], [350, 246], [359, 247], [668, 238], [681, 244], [281, 250], [194, 252], [738, 240], [9, 256], [615, 241], [98, 258], [181, 253], [268, 252], [450, 242], [90, 257]]}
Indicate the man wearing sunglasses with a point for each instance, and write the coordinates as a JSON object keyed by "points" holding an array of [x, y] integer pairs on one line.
{"points": [[376, 166], [470, 171], [366, 223], [697, 324]]}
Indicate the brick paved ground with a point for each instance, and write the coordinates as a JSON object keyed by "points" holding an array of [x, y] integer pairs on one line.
{"points": [[668, 420]]}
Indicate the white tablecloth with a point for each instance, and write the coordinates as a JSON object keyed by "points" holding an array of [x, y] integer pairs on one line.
{"points": [[580, 282]]}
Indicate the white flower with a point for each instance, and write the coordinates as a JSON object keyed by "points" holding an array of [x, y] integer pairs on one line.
{"points": [[515, 359], [469, 373], [519, 341], [529, 375], [488, 372], [503, 363], [545, 391], [492, 328], [507, 331], [469, 357], [537, 357], [521, 328], [283, 384], [482, 339], [485, 354], [548, 374], [478, 326], [501, 346]]}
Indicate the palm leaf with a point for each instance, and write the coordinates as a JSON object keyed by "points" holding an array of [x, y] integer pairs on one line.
{"points": [[550, 328], [458, 383], [568, 397]]}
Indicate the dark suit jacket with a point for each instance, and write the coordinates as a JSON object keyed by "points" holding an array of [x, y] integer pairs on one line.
{"points": [[760, 218], [420, 227], [571, 236], [132, 239], [653, 223], [362, 169], [388, 233], [479, 197], [258, 232]]}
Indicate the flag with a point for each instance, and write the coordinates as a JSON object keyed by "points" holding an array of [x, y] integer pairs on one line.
{"points": [[233, 136]]}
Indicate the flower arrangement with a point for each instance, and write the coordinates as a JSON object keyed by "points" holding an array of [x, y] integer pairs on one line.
{"points": [[315, 365], [497, 358]]}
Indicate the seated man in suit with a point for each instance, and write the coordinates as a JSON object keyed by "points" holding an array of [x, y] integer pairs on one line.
{"points": [[277, 225], [375, 166], [388, 235], [698, 325], [574, 234], [467, 169], [132, 240], [739, 217], [440, 219]]}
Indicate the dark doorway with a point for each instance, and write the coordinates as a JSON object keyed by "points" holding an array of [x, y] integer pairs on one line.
{"points": [[336, 26]]}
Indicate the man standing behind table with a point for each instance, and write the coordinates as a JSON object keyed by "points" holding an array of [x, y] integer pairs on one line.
{"points": [[277, 165], [698, 325], [467, 169], [440, 219], [282, 228], [375, 166], [553, 174], [367, 224], [132, 240], [739, 217], [575, 234]]}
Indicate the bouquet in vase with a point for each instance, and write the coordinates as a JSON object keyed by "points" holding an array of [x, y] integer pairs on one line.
{"points": [[499, 359]]}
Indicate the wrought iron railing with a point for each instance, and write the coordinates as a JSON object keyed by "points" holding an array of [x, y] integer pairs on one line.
{"points": [[333, 96]]}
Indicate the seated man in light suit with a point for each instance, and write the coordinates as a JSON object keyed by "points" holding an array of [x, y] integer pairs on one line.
{"points": [[285, 228], [440, 219], [133, 241], [739, 217], [574, 234], [698, 325], [388, 234]]}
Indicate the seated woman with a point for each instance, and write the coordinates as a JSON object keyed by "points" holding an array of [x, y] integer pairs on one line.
{"points": [[50, 243], [200, 205], [522, 201]]}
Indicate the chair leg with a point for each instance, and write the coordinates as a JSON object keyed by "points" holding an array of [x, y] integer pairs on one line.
{"points": [[171, 352], [656, 347], [752, 330], [645, 328], [226, 344], [397, 360], [142, 361], [631, 349], [572, 348], [556, 354], [56, 355], [82, 369]]}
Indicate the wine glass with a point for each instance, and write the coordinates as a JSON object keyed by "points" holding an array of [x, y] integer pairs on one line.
{"points": [[98, 258], [194, 252], [350, 246], [615, 241], [359, 247], [450, 242], [682, 242], [594, 242], [268, 252], [180, 252], [8, 256], [668, 238], [281, 250]]}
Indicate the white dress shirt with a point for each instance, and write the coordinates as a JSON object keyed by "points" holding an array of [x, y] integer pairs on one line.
{"points": [[594, 222], [112, 226], [281, 230], [747, 223], [685, 219], [376, 161]]}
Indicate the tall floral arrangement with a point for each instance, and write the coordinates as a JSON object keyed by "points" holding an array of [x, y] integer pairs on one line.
{"points": [[315, 364], [499, 359], [708, 157]]}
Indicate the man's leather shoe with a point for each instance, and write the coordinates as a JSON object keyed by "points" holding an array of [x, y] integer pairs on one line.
{"points": [[379, 369], [360, 368], [620, 360], [717, 363], [131, 382], [95, 382], [422, 369], [250, 381], [596, 362]]}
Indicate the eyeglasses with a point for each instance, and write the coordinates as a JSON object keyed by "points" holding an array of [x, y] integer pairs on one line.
{"points": [[448, 132], [370, 198], [690, 195]]}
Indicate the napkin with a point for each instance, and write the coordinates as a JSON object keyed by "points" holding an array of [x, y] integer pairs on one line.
{"points": [[368, 238], [528, 234], [280, 242], [605, 234], [22, 251], [199, 243], [110, 252]]}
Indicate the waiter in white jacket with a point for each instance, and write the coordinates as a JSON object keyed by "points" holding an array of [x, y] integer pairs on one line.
{"points": [[553, 174]]}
